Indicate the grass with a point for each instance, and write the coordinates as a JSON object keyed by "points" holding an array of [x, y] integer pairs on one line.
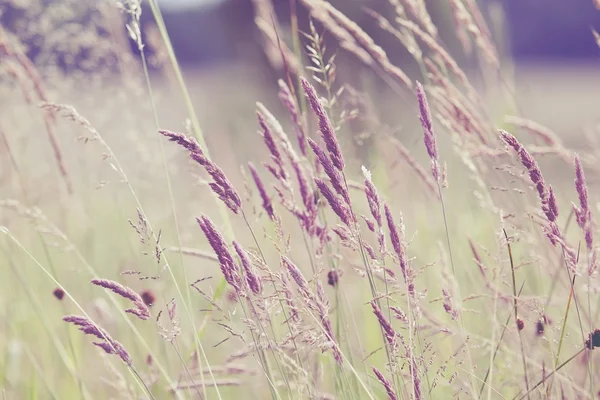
{"points": [[370, 253]]}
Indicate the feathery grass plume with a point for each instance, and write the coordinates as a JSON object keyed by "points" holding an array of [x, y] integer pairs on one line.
{"points": [[335, 202], [439, 50], [583, 214], [323, 314], [463, 113], [278, 131], [188, 143], [386, 384], [419, 12], [278, 170], [108, 344], [540, 131], [277, 52], [428, 133], [345, 39], [141, 311], [325, 126], [216, 241], [367, 43], [297, 276], [308, 217], [399, 314], [14, 52], [375, 207], [306, 192], [317, 303], [289, 102], [397, 239], [323, 67], [252, 278], [448, 303], [266, 200], [466, 23], [289, 296], [461, 20], [403, 35], [388, 329], [335, 176], [169, 334], [221, 185], [545, 194]]}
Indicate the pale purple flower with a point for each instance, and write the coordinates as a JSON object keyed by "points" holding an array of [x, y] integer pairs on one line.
{"points": [[252, 277], [535, 175], [583, 214], [266, 200], [297, 276], [335, 176], [325, 125], [278, 171], [428, 133], [216, 241], [287, 99], [221, 185], [108, 344], [388, 329], [141, 311], [335, 202], [386, 384], [397, 239], [375, 206], [189, 143]]}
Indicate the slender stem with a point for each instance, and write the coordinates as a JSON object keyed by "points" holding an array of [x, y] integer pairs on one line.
{"points": [[487, 374], [457, 287], [516, 309], [549, 375]]}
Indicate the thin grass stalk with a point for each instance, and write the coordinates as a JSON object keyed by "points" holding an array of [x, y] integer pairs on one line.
{"points": [[516, 310], [119, 169], [280, 303], [188, 102], [38, 309], [81, 386], [189, 375], [456, 285], [92, 271], [541, 381], [131, 368], [176, 224], [40, 371], [572, 296], [493, 357], [352, 369]]}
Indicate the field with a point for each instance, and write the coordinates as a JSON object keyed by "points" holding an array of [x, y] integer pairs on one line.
{"points": [[323, 228]]}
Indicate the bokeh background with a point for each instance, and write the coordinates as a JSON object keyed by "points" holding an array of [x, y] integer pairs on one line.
{"points": [[550, 73]]}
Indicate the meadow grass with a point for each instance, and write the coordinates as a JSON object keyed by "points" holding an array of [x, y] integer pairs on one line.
{"points": [[319, 250]]}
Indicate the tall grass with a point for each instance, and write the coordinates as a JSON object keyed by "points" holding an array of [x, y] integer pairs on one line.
{"points": [[442, 262]]}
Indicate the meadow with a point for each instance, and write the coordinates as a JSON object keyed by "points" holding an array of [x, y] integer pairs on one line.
{"points": [[335, 222]]}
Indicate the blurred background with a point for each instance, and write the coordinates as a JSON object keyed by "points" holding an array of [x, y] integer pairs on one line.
{"points": [[548, 53], [82, 56], [548, 42]]}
